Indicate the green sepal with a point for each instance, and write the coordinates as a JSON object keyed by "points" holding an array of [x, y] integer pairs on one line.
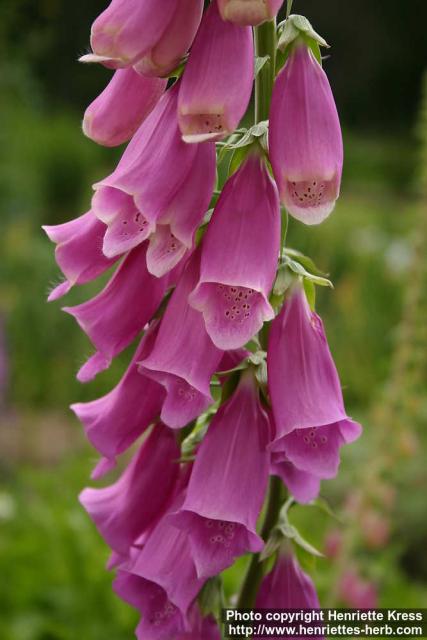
{"points": [[211, 598], [300, 270], [295, 27]]}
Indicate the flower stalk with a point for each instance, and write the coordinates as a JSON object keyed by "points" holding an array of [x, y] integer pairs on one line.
{"points": [[265, 45]]}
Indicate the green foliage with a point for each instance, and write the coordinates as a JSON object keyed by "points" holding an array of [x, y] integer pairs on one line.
{"points": [[54, 585]]}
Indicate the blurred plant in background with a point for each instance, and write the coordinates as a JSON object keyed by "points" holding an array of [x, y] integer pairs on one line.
{"points": [[54, 585]]}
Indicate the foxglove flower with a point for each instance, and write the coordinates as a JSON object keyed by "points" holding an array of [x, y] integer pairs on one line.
{"points": [[79, 251], [159, 181], [357, 592], [173, 364], [114, 116], [113, 422], [239, 257], [177, 37], [217, 82], [249, 12], [114, 317], [287, 587], [305, 138], [228, 483], [160, 617], [165, 559], [144, 32], [304, 387], [317, 451], [162, 620], [304, 486], [123, 511]]}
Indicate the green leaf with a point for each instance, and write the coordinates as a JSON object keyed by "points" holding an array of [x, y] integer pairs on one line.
{"points": [[297, 268], [307, 262]]}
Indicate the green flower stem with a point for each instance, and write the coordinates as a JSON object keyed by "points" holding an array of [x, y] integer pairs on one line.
{"points": [[265, 45], [254, 572]]}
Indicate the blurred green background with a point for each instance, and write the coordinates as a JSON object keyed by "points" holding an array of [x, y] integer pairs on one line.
{"points": [[54, 586]]}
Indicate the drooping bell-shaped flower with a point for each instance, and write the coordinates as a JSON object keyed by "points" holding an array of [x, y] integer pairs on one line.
{"points": [[114, 317], [239, 257], [306, 150], [228, 483], [148, 32], [114, 116], [126, 509], [357, 592], [177, 37], [166, 560], [304, 387], [160, 182], [113, 422], [161, 619], [217, 83], [79, 251], [184, 357], [287, 586], [303, 486], [317, 451], [249, 12]]}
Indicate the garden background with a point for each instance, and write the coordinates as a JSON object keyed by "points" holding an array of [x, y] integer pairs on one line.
{"points": [[53, 583]]}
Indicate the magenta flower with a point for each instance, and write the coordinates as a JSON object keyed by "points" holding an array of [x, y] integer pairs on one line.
{"points": [[249, 12], [317, 451], [114, 116], [145, 32], [167, 53], [166, 560], [113, 422], [303, 382], [239, 257], [114, 317], [287, 587], [171, 362], [305, 138], [126, 509], [304, 486], [78, 252], [228, 483], [161, 186], [161, 619], [217, 82], [357, 592]]}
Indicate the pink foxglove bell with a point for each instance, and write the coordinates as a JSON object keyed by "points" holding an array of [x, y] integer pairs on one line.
{"points": [[304, 386], [114, 317], [217, 82], [171, 362], [78, 252], [161, 188], [306, 150], [113, 422], [239, 257], [114, 116], [287, 586], [123, 511], [228, 483], [146, 32]]}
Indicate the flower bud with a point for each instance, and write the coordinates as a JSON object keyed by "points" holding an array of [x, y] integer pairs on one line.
{"points": [[305, 140]]}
